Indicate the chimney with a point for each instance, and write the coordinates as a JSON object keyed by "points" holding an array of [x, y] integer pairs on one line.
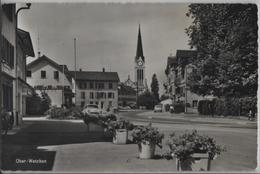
{"points": [[103, 69]]}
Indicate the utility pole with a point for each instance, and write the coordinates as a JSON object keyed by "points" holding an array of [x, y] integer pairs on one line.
{"points": [[186, 88], [1, 90], [75, 69]]}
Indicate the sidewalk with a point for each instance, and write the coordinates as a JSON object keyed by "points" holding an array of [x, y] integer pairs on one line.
{"points": [[197, 118]]}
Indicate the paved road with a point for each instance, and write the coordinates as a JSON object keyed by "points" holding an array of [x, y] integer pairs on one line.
{"points": [[68, 146], [167, 118]]}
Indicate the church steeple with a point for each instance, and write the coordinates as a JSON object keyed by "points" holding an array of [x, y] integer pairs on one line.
{"points": [[139, 50]]}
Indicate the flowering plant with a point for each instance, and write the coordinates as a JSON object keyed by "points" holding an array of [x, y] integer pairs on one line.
{"points": [[144, 134], [99, 119], [119, 124], [185, 145]]}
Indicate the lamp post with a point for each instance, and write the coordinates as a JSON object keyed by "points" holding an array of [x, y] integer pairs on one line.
{"points": [[137, 90], [28, 6]]}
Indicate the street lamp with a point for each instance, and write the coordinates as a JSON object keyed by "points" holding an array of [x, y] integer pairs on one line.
{"points": [[28, 6], [137, 90]]}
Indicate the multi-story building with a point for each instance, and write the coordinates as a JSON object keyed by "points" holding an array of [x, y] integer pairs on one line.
{"points": [[96, 87], [45, 75], [24, 90], [126, 95], [16, 45], [178, 69]]}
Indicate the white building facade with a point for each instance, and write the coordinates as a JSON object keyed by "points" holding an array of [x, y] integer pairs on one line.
{"points": [[45, 75]]}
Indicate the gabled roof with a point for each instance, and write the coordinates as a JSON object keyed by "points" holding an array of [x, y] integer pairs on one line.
{"points": [[95, 75], [51, 62], [26, 42]]}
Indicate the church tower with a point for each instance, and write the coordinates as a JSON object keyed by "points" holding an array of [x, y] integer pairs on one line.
{"points": [[139, 63]]}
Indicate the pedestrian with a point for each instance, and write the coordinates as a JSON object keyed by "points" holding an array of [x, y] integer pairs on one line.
{"points": [[171, 109], [250, 115]]}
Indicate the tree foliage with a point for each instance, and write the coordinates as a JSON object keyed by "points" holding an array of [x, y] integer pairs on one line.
{"points": [[155, 87], [225, 37], [147, 99]]}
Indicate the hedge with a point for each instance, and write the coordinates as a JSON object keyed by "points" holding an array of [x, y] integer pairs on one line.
{"points": [[179, 107], [228, 106]]}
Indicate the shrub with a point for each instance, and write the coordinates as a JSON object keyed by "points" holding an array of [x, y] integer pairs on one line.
{"points": [[204, 107], [179, 107], [76, 112], [246, 104], [58, 113]]}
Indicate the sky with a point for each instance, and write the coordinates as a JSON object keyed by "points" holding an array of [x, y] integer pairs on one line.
{"points": [[106, 34]]}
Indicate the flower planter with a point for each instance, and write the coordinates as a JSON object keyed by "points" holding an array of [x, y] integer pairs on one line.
{"points": [[93, 127], [146, 150], [197, 162], [121, 136]]}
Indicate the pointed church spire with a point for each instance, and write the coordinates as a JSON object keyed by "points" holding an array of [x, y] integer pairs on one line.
{"points": [[139, 50]]}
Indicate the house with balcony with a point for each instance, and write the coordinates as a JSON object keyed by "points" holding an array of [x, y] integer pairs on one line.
{"points": [[47, 76], [96, 87], [178, 69]]}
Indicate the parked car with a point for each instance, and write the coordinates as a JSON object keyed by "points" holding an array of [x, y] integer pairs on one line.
{"points": [[91, 109], [157, 108]]}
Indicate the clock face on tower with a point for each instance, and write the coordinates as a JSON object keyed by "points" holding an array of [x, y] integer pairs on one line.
{"points": [[140, 62]]}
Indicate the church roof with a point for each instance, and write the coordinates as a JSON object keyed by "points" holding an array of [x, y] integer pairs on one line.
{"points": [[139, 50]]}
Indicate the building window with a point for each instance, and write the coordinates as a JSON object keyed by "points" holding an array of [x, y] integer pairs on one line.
{"points": [[43, 74], [91, 85], [83, 95], [110, 103], [84, 85], [110, 85], [7, 97], [102, 105], [29, 73], [100, 85], [56, 75], [7, 52], [195, 103], [182, 73], [111, 95], [91, 102], [82, 104], [91, 95]]}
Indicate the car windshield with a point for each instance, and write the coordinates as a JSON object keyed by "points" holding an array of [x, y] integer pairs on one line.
{"points": [[92, 106], [158, 106]]}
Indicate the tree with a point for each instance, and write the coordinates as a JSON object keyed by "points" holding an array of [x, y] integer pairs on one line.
{"points": [[225, 37], [155, 87], [147, 99], [45, 101]]}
